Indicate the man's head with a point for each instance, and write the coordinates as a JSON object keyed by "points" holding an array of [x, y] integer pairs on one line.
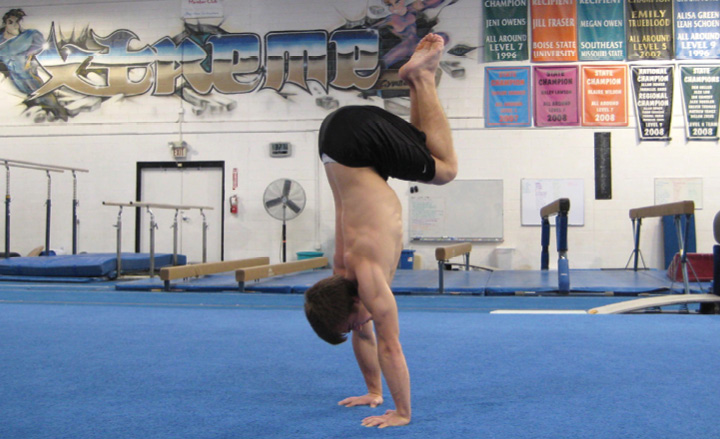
{"points": [[12, 19], [328, 307]]}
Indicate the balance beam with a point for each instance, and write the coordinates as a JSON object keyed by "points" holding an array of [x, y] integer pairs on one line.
{"points": [[678, 208], [442, 254], [561, 205], [654, 302], [168, 274], [243, 275], [445, 253]]}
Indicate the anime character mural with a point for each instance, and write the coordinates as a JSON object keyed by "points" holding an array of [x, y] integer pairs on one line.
{"points": [[403, 28], [401, 24], [18, 48]]}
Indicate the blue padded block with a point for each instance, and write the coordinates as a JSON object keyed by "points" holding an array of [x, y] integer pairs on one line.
{"points": [[82, 265]]}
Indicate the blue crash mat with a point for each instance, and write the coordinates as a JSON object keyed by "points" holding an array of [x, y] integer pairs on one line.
{"points": [[497, 283], [585, 281], [86, 265]]}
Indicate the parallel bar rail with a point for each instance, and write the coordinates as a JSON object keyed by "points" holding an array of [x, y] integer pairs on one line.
{"points": [[8, 163], [153, 226]]}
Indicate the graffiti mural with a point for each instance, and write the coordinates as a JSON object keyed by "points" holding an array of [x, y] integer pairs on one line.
{"points": [[60, 76]]}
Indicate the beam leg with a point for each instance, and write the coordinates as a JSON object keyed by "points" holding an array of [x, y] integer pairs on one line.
{"points": [[636, 229], [441, 278], [561, 225], [545, 244], [681, 250]]}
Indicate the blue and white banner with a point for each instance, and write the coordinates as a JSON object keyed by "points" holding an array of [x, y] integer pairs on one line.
{"points": [[697, 29], [507, 97], [601, 30]]}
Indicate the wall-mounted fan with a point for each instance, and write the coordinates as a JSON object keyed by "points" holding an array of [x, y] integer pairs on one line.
{"points": [[284, 199]]}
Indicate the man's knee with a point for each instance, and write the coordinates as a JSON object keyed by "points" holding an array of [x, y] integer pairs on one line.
{"points": [[444, 172]]}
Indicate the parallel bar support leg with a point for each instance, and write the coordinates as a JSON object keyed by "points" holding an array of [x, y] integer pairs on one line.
{"points": [[175, 238], [153, 226], [204, 236], [48, 211], [441, 278], [118, 225], [7, 211], [75, 220]]}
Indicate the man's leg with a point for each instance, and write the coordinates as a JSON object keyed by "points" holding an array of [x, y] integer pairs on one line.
{"points": [[426, 112]]}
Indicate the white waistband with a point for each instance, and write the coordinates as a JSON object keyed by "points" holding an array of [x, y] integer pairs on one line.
{"points": [[327, 159]]}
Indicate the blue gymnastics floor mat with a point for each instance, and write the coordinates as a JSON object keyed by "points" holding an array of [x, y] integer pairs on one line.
{"points": [[81, 267], [406, 282]]}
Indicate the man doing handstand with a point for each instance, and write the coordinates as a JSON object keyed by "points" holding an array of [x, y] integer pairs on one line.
{"points": [[361, 147]]}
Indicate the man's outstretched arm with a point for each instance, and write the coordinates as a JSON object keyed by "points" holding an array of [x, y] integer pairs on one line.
{"points": [[365, 348], [377, 297]]}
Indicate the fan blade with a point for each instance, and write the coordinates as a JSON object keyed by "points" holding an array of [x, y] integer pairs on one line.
{"points": [[273, 203], [287, 187], [294, 207]]}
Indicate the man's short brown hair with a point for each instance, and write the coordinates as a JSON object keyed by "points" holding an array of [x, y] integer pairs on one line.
{"points": [[328, 305]]}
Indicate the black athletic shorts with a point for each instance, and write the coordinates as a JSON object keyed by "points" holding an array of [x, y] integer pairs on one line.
{"points": [[368, 136]]}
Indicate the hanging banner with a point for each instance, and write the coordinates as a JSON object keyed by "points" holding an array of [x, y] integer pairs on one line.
{"points": [[601, 30], [701, 99], [507, 96], [649, 29], [604, 95], [697, 29], [556, 96], [554, 30], [653, 92], [506, 36]]}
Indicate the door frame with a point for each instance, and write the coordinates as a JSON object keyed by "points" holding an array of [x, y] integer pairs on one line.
{"points": [[217, 164]]}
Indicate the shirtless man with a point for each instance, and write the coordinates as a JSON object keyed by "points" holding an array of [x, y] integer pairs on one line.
{"points": [[361, 147]]}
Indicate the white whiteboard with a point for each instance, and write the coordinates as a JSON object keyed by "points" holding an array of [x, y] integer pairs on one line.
{"points": [[463, 210], [670, 190], [538, 193]]}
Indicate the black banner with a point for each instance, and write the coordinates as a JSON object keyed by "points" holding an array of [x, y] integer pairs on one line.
{"points": [[649, 29], [701, 99], [653, 92]]}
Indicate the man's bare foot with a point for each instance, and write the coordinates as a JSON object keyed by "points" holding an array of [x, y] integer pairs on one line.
{"points": [[425, 59]]}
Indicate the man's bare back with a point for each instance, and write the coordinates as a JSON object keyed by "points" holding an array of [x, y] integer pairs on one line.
{"points": [[372, 218]]}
